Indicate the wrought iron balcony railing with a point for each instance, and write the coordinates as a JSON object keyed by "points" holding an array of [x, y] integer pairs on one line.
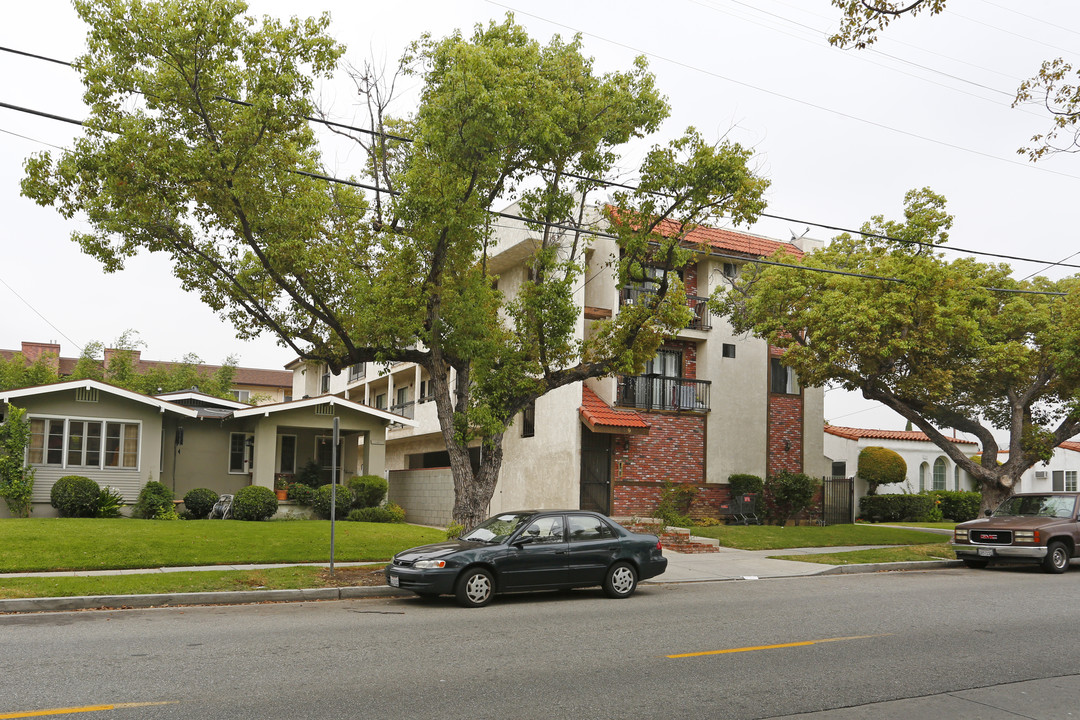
{"points": [[699, 305], [660, 392]]}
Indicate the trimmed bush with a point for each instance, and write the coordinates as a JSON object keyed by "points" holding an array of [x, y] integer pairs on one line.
{"points": [[740, 483], [75, 496], [320, 503], [368, 491], [391, 513], [155, 502], [788, 493], [897, 508], [880, 466], [199, 502], [958, 506], [301, 493], [254, 502]]}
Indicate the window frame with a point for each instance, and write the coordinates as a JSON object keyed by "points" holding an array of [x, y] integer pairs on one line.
{"points": [[243, 453], [53, 444], [790, 379]]}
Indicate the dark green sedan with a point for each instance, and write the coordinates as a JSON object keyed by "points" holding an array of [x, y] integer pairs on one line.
{"points": [[530, 550]]}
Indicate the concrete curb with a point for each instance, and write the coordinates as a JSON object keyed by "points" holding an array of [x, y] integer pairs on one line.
{"points": [[242, 597], [889, 567]]}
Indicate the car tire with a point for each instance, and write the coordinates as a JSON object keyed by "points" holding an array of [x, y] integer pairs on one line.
{"points": [[1057, 558], [977, 564], [620, 581], [475, 588]]}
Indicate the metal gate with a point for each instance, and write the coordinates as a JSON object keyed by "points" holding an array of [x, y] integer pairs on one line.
{"points": [[595, 471], [837, 501]]}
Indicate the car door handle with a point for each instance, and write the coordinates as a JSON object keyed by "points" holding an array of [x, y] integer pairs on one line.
{"points": [[560, 552]]}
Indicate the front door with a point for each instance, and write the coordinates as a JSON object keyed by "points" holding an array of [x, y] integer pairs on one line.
{"points": [[595, 471]]}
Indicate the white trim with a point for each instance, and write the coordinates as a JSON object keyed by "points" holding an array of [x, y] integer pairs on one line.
{"points": [[8, 395], [333, 400], [192, 395], [101, 466]]}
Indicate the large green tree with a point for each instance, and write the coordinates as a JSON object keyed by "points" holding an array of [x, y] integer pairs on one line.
{"points": [[946, 344], [198, 145], [1055, 86]]}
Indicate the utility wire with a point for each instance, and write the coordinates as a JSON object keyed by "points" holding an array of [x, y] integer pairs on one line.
{"points": [[36, 312]]}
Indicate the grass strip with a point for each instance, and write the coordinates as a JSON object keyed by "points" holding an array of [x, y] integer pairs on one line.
{"points": [[907, 553], [292, 578], [43, 544], [773, 537]]}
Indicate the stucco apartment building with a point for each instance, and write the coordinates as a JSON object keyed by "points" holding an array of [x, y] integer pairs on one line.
{"points": [[262, 385], [709, 405]]}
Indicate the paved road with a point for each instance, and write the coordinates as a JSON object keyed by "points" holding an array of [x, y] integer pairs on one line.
{"points": [[917, 644]]}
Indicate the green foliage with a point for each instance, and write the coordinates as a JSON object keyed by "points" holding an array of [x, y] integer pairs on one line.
{"points": [[937, 342], [166, 165], [15, 372], [254, 502], [75, 496], [301, 493], [787, 494], [674, 505], [897, 508], [740, 483], [155, 502], [881, 466], [391, 513], [367, 490], [321, 502], [16, 478], [957, 505], [311, 474], [455, 530], [199, 502], [109, 502]]}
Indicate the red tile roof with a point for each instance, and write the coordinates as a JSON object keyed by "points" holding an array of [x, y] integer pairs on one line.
{"points": [[598, 413], [727, 240], [860, 433]]}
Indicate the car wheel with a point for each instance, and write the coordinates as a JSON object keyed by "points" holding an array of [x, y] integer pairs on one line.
{"points": [[475, 588], [1057, 558], [621, 580], [977, 564]]}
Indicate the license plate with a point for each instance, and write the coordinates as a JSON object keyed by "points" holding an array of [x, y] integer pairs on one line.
{"points": [[986, 552], [395, 581]]}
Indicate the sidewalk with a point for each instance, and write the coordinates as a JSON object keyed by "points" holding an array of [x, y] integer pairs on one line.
{"points": [[727, 564]]}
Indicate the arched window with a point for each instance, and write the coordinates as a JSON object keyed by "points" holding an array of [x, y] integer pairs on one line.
{"points": [[939, 473], [924, 469]]}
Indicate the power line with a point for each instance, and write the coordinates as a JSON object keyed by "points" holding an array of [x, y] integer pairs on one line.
{"points": [[36, 312]]}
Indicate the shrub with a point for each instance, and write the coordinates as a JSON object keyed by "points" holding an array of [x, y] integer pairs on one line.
{"points": [[707, 522], [455, 531], [391, 513], [320, 503], [880, 466], [674, 505], [301, 493], [109, 503], [367, 490], [740, 483], [155, 502], [254, 502], [958, 505], [75, 496], [311, 475], [896, 508], [788, 493], [199, 502]]}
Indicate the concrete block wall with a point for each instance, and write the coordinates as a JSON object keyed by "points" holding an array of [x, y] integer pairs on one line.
{"points": [[426, 495]]}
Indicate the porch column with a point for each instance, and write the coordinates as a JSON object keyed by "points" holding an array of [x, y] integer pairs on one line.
{"points": [[375, 452], [265, 453]]}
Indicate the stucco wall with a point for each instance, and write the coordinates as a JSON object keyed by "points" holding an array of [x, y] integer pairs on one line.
{"points": [[426, 495]]}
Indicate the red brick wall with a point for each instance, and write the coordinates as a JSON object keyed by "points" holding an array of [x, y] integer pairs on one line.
{"points": [[673, 451], [690, 279], [785, 446], [641, 499]]}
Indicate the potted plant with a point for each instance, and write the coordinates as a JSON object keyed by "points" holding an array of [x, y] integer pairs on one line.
{"points": [[281, 487]]}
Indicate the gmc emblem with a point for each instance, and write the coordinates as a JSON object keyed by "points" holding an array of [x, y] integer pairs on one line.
{"points": [[988, 536]]}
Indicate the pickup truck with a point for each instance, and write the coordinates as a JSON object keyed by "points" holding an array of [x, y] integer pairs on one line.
{"points": [[1027, 527]]}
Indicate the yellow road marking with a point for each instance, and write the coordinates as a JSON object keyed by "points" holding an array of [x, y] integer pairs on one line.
{"points": [[803, 643], [84, 708]]}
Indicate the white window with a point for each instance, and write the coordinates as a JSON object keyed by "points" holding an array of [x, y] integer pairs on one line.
{"points": [[82, 443], [939, 474], [1070, 481], [782, 379], [241, 395], [241, 452]]}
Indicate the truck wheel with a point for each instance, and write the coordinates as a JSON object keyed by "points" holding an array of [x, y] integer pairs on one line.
{"points": [[1057, 558]]}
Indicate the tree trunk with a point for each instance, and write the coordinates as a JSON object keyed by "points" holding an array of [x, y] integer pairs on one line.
{"points": [[993, 493]]}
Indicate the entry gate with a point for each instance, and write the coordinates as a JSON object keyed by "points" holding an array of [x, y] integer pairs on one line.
{"points": [[837, 501]]}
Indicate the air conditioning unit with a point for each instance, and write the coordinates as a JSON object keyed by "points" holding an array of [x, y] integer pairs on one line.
{"points": [[1041, 474]]}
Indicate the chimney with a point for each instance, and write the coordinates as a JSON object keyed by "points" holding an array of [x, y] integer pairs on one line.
{"points": [[49, 351], [110, 353]]}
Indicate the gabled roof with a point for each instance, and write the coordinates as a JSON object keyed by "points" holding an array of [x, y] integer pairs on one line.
{"points": [[861, 433], [601, 417], [202, 398], [163, 405], [332, 400]]}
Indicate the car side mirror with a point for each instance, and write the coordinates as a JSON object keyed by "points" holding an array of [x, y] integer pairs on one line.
{"points": [[524, 540], [988, 512]]}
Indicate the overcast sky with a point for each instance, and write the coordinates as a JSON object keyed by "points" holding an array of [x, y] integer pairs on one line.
{"points": [[842, 135]]}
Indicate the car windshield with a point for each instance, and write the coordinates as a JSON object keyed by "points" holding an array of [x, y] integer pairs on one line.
{"points": [[1057, 506], [496, 529]]}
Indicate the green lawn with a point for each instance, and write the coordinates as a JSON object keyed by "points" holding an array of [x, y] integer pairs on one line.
{"points": [[773, 537], [904, 553], [40, 544]]}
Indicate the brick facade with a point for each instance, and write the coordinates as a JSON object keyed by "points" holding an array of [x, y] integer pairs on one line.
{"points": [[673, 451], [785, 439]]}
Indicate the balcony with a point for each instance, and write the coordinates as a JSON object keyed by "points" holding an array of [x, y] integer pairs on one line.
{"points": [[659, 392], [699, 306]]}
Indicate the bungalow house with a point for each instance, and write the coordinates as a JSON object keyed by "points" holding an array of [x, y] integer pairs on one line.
{"points": [[928, 468], [123, 439]]}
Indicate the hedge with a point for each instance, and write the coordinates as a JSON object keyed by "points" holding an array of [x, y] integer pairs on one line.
{"points": [[75, 496], [896, 508], [254, 502]]}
